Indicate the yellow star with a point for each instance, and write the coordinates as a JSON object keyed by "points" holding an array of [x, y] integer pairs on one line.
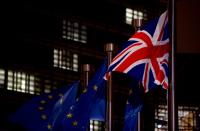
{"points": [[50, 96], [84, 90], [44, 117], [60, 94], [74, 123], [127, 102], [77, 99], [42, 101], [40, 108], [69, 115], [49, 126], [130, 92], [95, 87]]}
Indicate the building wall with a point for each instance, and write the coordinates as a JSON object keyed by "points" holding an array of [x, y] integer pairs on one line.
{"points": [[187, 26]]}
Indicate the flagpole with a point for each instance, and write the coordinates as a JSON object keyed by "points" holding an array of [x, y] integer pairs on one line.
{"points": [[137, 24], [171, 90], [109, 49], [86, 69]]}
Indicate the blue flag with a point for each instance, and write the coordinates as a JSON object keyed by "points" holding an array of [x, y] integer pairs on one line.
{"points": [[133, 107], [36, 114], [98, 110], [60, 107], [131, 117], [86, 108]]}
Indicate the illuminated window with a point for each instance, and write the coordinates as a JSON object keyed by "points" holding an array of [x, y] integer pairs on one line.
{"points": [[134, 14], [65, 59], [21, 82], [96, 125], [47, 86], [74, 31], [161, 118], [2, 78], [187, 118]]}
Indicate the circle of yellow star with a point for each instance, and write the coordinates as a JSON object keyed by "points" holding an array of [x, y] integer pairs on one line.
{"points": [[40, 108], [49, 126], [42, 101], [69, 115], [60, 94], [44, 117], [74, 123], [95, 87], [50, 96], [84, 90], [130, 92], [127, 102]]}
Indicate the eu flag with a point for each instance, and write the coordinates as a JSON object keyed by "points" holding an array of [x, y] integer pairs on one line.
{"points": [[38, 113], [77, 118], [133, 107], [60, 107]]}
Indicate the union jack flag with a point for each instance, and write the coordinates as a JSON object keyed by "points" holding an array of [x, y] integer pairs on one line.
{"points": [[145, 55]]}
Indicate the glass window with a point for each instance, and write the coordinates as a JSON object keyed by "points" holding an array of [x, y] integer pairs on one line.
{"points": [[65, 59], [161, 118], [2, 78], [74, 31], [96, 125], [187, 118], [47, 86], [134, 14], [21, 82]]}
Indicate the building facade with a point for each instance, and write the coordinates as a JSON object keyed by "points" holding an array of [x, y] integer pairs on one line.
{"points": [[46, 45]]}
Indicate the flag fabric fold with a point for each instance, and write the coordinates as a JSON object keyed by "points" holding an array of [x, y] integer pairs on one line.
{"points": [[60, 107], [145, 55], [133, 107], [38, 113], [131, 117], [87, 106]]}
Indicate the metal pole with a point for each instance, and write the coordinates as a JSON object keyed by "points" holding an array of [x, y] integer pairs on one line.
{"points": [[171, 91], [109, 48], [86, 69], [137, 24]]}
